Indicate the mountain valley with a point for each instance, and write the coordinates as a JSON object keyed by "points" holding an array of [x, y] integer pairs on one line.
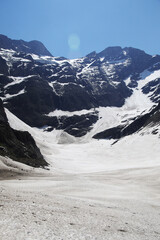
{"points": [[79, 144]]}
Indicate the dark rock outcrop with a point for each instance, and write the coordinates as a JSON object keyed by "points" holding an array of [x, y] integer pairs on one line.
{"points": [[18, 145], [78, 126], [3, 66], [154, 88], [149, 119]]}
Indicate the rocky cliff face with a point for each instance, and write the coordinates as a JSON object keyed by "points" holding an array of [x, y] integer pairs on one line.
{"points": [[19, 146], [33, 86]]}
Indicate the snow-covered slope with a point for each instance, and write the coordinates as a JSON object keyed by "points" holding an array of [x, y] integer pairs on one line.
{"points": [[70, 101], [66, 153]]}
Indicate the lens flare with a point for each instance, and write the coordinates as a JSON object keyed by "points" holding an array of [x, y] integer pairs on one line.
{"points": [[74, 42]]}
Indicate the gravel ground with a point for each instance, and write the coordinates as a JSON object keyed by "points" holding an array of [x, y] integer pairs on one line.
{"points": [[108, 205]]}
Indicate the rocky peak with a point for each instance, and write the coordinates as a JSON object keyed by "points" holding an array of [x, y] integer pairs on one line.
{"points": [[111, 53], [91, 55], [35, 47]]}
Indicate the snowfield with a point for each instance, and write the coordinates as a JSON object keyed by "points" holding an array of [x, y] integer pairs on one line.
{"points": [[93, 190]]}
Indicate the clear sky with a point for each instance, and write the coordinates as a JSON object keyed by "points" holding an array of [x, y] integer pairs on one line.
{"points": [[74, 28]]}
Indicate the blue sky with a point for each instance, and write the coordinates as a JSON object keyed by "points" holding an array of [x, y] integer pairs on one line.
{"points": [[74, 28]]}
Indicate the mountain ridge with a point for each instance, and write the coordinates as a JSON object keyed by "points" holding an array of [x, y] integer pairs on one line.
{"points": [[34, 86], [33, 46]]}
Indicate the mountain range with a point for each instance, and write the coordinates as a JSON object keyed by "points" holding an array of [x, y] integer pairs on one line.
{"points": [[106, 95]]}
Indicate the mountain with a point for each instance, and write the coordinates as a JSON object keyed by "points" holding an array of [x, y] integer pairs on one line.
{"points": [[109, 94], [34, 47], [34, 86]]}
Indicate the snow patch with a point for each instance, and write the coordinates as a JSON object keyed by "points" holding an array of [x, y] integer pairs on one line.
{"points": [[59, 113]]}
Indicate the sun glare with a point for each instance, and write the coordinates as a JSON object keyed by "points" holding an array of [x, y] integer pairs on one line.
{"points": [[73, 41]]}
